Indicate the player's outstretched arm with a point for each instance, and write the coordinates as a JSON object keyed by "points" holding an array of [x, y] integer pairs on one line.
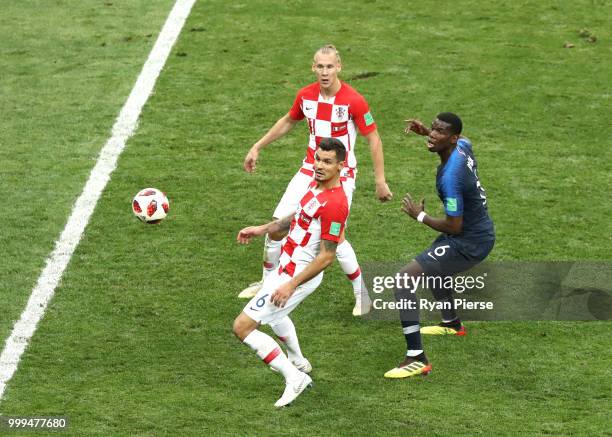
{"points": [[280, 225], [416, 126], [449, 225], [376, 150], [282, 127], [325, 258], [245, 234]]}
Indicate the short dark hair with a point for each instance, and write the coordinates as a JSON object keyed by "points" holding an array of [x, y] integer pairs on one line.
{"points": [[328, 144], [453, 120]]}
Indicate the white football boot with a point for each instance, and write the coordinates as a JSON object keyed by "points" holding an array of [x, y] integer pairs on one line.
{"points": [[302, 366], [293, 389], [363, 305], [251, 290]]}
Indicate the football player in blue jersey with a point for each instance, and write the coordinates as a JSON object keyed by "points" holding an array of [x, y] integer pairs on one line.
{"points": [[467, 236]]}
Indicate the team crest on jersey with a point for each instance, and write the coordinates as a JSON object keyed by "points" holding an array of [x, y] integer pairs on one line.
{"points": [[340, 114]]}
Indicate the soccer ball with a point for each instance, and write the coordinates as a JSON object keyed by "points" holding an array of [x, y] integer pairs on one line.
{"points": [[150, 205]]}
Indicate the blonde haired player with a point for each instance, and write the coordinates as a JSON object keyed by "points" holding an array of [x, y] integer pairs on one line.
{"points": [[334, 109]]}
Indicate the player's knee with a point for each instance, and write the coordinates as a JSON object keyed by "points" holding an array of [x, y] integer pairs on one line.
{"points": [[242, 327], [413, 269], [409, 278], [238, 328]]}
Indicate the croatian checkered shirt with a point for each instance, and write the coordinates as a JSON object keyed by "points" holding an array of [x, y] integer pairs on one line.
{"points": [[339, 117], [321, 215]]}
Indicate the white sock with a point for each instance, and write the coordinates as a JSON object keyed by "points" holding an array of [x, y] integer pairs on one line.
{"points": [[349, 265], [285, 331], [413, 353], [270, 352], [271, 255]]}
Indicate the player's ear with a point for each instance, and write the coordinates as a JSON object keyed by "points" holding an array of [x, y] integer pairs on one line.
{"points": [[455, 138]]}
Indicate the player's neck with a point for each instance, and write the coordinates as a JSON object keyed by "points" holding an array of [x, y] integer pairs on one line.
{"points": [[446, 153], [329, 184], [330, 92]]}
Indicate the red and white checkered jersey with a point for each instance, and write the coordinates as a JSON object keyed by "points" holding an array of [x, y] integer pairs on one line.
{"points": [[339, 116], [321, 215]]}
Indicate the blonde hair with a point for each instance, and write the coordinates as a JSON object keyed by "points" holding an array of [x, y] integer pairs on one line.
{"points": [[327, 49]]}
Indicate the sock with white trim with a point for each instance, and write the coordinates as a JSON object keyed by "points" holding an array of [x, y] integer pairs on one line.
{"points": [[414, 344], [285, 331], [271, 255], [409, 318], [270, 352], [348, 263]]}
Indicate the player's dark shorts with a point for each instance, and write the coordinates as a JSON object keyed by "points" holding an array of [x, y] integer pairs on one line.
{"points": [[448, 256]]}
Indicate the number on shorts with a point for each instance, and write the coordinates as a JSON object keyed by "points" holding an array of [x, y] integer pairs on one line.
{"points": [[438, 251], [260, 302]]}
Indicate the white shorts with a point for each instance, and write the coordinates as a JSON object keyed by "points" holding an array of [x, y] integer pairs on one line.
{"points": [[262, 310], [298, 187]]}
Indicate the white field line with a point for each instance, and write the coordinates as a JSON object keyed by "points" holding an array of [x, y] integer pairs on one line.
{"points": [[123, 129]]}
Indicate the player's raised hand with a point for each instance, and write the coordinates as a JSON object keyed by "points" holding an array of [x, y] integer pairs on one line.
{"points": [[282, 294], [416, 126], [245, 235], [250, 161], [410, 207], [383, 193]]}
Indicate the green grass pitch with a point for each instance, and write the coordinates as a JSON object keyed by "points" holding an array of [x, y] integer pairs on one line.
{"points": [[137, 340]]}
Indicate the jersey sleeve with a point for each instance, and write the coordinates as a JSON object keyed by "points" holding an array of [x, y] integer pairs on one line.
{"points": [[296, 109], [362, 116], [333, 219], [452, 188]]}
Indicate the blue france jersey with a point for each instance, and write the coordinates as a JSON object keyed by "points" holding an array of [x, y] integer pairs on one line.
{"points": [[462, 194]]}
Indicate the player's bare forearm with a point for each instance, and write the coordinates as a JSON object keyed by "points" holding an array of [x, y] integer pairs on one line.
{"points": [[376, 150], [323, 260], [378, 159], [284, 292], [280, 225], [416, 126], [447, 225], [245, 234], [281, 128]]}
